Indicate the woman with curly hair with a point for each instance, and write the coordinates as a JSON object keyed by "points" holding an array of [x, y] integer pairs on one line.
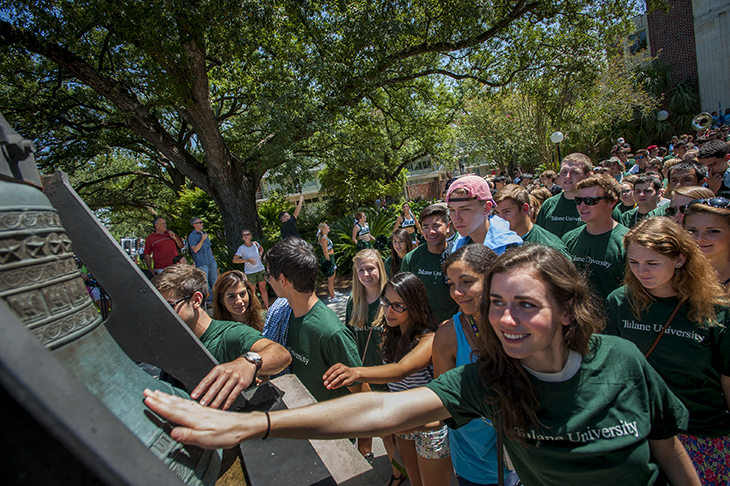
{"points": [[473, 446], [234, 299], [573, 407], [674, 310], [400, 245], [409, 326]]}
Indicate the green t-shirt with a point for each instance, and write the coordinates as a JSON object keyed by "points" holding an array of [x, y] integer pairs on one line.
{"points": [[387, 264], [688, 357], [228, 340], [601, 256], [541, 236], [595, 425], [373, 356], [316, 341], [622, 210], [427, 266], [633, 217], [559, 215]]}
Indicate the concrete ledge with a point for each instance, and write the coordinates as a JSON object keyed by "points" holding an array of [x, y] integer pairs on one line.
{"points": [[340, 457]]}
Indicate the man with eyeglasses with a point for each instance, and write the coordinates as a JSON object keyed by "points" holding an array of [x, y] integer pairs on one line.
{"points": [[242, 351], [647, 192], [598, 246], [558, 214], [316, 337], [202, 253]]}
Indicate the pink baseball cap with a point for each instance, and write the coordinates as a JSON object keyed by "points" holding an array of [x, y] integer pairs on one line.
{"points": [[651, 147], [476, 188]]}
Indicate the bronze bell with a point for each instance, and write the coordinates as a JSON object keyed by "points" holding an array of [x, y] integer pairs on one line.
{"points": [[40, 282]]}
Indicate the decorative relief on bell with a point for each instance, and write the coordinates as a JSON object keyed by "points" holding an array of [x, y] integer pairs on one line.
{"points": [[39, 279]]}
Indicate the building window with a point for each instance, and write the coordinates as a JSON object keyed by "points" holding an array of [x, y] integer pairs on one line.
{"points": [[637, 42]]}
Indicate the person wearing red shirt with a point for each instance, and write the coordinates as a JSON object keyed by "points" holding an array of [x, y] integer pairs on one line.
{"points": [[161, 246]]}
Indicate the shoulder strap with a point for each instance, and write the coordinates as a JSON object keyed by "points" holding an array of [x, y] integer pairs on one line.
{"points": [[470, 337], [666, 325]]}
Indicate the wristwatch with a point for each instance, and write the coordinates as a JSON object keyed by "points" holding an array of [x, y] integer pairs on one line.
{"points": [[254, 358]]}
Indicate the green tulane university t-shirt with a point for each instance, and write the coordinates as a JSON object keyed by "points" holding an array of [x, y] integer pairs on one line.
{"points": [[316, 341], [543, 237], [228, 340], [427, 266], [559, 215], [373, 356], [595, 425], [690, 358], [601, 256]]}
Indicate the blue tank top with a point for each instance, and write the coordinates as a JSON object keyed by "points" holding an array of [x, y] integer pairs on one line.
{"points": [[473, 446]]}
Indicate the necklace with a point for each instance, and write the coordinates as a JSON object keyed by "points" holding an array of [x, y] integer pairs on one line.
{"points": [[473, 325]]}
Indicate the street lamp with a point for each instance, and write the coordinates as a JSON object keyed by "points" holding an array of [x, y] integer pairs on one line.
{"points": [[556, 138]]}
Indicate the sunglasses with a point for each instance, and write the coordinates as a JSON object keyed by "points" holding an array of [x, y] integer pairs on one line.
{"points": [[399, 308], [671, 210], [715, 202], [174, 304], [589, 201]]}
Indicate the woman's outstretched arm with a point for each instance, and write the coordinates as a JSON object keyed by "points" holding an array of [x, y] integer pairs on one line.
{"points": [[675, 461], [360, 415]]}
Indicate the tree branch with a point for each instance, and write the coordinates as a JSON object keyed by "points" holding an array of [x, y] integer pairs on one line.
{"points": [[140, 120]]}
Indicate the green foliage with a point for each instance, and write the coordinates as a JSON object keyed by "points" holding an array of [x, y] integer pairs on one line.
{"points": [[681, 100], [390, 129], [515, 124], [269, 215], [195, 203], [381, 223], [219, 93]]}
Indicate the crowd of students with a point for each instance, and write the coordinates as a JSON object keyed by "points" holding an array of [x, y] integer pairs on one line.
{"points": [[573, 337]]}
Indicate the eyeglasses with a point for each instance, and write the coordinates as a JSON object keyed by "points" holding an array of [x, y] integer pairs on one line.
{"points": [[715, 202], [399, 308], [671, 210], [198, 222], [589, 201], [174, 304]]}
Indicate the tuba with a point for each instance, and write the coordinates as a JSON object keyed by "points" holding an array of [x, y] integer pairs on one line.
{"points": [[702, 122]]}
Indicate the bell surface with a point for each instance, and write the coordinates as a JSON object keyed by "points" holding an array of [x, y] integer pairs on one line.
{"points": [[41, 284]]}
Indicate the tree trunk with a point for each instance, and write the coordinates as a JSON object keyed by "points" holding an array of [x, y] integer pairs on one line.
{"points": [[236, 201]]}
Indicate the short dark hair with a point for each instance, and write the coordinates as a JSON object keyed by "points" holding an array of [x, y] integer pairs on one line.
{"points": [[438, 209], [699, 169], [681, 143], [500, 178], [713, 149], [155, 220], [649, 179], [294, 258], [281, 213]]}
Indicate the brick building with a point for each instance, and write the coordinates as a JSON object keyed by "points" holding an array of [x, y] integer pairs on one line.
{"points": [[694, 37]]}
